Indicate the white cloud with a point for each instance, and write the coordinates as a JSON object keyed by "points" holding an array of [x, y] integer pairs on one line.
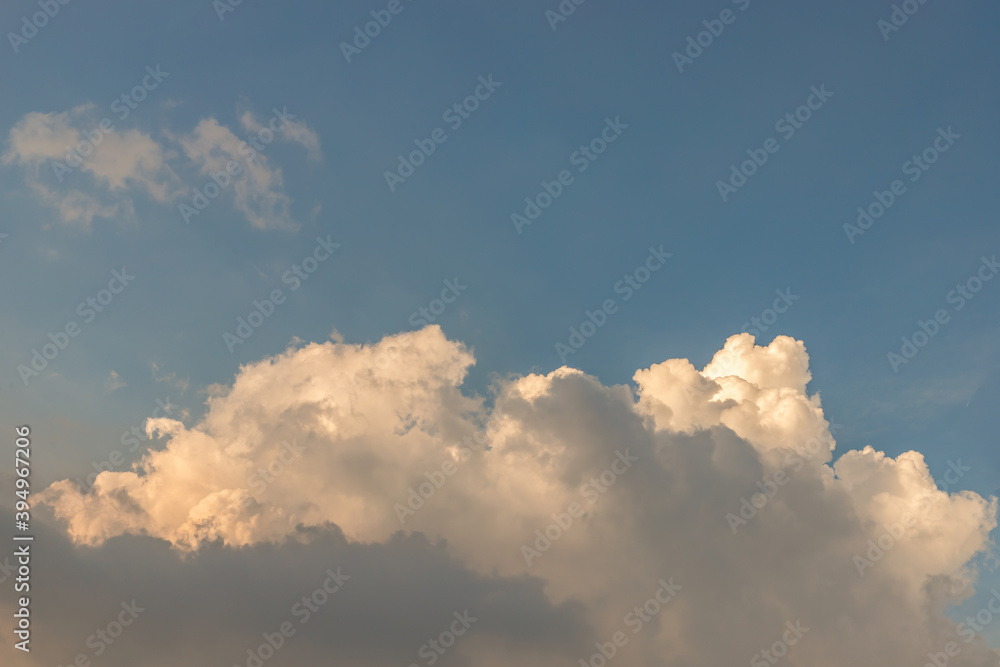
{"points": [[295, 131], [119, 163], [127, 162], [258, 190], [378, 420], [114, 382]]}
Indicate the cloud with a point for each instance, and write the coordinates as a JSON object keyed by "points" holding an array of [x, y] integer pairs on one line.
{"points": [[294, 130], [210, 610], [114, 382], [170, 378], [258, 190], [54, 149], [721, 479], [48, 146], [75, 206]]}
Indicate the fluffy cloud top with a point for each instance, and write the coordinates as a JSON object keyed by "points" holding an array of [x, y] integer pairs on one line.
{"points": [[720, 480]]}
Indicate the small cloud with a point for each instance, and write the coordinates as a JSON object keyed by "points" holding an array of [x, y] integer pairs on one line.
{"points": [[170, 378], [83, 172], [258, 192], [294, 131], [114, 382], [53, 147]]}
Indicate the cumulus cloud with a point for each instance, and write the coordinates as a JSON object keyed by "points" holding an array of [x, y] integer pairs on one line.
{"points": [[209, 611], [721, 480]]}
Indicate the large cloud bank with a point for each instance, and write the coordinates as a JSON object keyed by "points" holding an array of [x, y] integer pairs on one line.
{"points": [[716, 484]]}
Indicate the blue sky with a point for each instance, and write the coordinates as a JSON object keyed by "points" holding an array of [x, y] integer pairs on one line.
{"points": [[655, 185]]}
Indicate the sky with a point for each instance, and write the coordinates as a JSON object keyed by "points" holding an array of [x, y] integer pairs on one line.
{"points": [[503, 220]]}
